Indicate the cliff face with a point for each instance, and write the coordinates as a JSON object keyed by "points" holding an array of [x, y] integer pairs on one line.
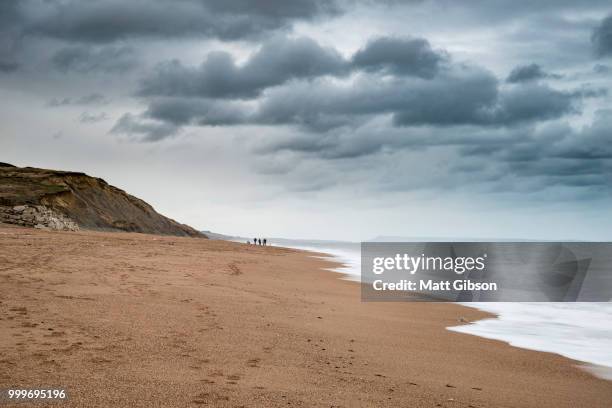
{"points": [[69, 200]]}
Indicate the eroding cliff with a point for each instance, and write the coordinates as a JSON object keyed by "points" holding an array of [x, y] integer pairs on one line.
{"points": [[63, 200]]}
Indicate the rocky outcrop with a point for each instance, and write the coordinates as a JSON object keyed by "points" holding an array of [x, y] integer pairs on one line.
{"points": [[67, 200], [37, 216]]}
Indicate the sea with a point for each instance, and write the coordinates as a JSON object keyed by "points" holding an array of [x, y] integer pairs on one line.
{"points": [[580, 331]]}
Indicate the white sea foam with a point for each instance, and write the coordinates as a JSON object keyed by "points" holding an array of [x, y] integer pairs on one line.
{"points": [[580, 331]]}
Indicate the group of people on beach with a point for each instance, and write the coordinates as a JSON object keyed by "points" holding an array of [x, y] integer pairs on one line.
{"points": [[259, 241]]}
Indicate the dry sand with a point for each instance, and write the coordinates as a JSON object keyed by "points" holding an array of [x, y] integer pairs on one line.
{"points": [[130, 320]]}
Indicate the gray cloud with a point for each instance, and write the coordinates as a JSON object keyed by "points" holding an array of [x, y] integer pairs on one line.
{"points": [[90, 99], [380, 136], [602, 69], [531, 72], [7, 66], [399, 56], [77, 25], [280, 60], [525, 160], [87, 59], [111, 20], [458, 95], [275, 63], [593, 142], [10, 21], [464, 98], [130, 125], [10, 13], [602, 37], [87, 117], [532, 103], [185, 111], [559, 155]]}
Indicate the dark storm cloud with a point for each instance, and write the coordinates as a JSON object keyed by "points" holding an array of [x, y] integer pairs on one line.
{"points": [[182, 111], [457, 96], [288, 82], [279, 9], [275, 63], [558, 155], [370, 139], [111, 20], [87, 59], [524, 160], [10, 26], [10, 12], [280, 60], [399, 56], [532, 103], [465, 98], [78, 24], [519, 158], [531, 72], [7, 67], [602, 37]]}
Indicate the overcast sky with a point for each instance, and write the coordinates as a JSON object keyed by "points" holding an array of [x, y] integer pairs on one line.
{"points": [[330, 119]]}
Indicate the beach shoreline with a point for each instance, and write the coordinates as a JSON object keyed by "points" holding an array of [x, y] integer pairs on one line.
{"points": [[575, 330], [136, 320]]}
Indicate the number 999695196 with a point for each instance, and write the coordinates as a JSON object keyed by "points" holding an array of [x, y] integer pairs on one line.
{"points": [[20, 394]]}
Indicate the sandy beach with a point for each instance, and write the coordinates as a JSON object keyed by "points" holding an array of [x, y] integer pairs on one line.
{"points": [[134, 320]]}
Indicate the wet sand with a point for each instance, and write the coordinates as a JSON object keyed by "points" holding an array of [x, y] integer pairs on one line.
{"points": [[131, 320]]}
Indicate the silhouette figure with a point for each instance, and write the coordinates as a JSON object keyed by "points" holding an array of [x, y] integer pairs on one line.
{"points": [[265, 241]]}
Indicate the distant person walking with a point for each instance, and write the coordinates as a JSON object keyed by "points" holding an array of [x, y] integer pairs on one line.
{"points": [[265, 241]]}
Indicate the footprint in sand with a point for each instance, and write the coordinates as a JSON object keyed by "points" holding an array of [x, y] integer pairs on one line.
{"points": [[235, 270], [100, 360], [253, 362], [55, 334], [205, 397], [217, 373], [201, 398]]}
